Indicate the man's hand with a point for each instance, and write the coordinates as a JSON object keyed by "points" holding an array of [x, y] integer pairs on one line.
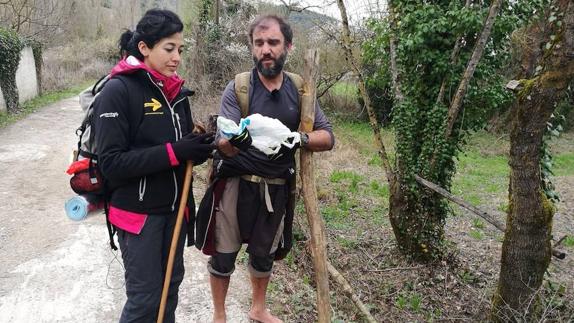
{"points": [[242, 141], [226, 148]]}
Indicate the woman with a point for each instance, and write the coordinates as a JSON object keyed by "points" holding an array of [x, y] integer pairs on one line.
{"points": [[143, 134]]}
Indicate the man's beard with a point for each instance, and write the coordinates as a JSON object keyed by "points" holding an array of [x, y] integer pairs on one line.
{"points": [[272, 70]]}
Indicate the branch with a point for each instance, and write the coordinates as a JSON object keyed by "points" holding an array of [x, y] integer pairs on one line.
{"points": [[483, 214], [349, 290], [329, 82], [453, 61], [456, 104]]}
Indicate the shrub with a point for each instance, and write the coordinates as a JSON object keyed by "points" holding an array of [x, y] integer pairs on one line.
{"points": [[10, 47]]}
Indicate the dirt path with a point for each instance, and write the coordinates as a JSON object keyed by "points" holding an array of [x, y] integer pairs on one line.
{"points": [[53, 269]]}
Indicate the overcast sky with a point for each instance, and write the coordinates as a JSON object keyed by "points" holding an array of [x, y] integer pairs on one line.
{"points": [[356, 9]]}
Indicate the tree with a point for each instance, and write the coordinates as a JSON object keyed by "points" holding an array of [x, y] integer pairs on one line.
{"points": [[432, 51], [545, 71], [38, 19]]}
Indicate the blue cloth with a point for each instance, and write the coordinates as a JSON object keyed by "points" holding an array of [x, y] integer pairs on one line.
{"points": [[77, 208]]}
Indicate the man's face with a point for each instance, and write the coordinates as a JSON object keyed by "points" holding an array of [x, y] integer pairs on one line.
{"points": [[269, 49]]}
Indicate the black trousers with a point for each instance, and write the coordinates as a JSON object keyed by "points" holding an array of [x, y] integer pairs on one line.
{"points": [[145, 261]]}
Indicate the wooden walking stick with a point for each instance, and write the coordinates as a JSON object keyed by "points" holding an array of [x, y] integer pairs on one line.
{"points": [[174, 239], [318, 244]]}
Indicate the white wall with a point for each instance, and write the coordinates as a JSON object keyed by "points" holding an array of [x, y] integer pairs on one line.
{"points": [[25, 78]]}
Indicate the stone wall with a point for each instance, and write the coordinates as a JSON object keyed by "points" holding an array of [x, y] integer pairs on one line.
{"points": [[25, 79]]}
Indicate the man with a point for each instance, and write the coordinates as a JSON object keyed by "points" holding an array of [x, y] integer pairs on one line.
{"points": [[261, 216]]}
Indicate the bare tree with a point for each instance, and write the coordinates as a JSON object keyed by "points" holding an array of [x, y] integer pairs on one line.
{"points": [[39, 19]]}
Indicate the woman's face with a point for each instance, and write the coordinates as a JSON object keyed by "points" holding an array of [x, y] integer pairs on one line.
{"points": [[165, 55]]}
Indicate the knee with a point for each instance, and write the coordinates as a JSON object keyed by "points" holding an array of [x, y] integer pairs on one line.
{"points": [[261, 267], [222, 264]]}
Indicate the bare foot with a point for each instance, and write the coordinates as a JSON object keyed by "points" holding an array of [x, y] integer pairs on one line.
{"points": [[263, 316]]}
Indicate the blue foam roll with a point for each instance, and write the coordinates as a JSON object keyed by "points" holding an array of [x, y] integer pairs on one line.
{"points": [[77, 208]]}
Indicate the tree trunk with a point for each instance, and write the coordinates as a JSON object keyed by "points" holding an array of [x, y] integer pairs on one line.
{"points": [[417, 224], [526, 249]]}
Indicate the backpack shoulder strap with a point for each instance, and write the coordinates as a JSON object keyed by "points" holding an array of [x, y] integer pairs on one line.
{"points": [[242, 82], [298, 81]]}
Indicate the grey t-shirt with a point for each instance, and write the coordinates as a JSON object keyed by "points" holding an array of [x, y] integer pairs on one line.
{"points": [[282, 104]]}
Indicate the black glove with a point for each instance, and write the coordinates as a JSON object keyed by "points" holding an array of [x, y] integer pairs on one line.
{"points": [[197, 148], [242, 141], [284, 150]]}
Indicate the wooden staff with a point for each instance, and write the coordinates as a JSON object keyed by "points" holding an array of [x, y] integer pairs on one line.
{"points": [[318, 244], [175, 239]]}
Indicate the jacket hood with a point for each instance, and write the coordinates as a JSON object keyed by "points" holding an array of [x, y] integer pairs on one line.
{"points": [[170, 86]]}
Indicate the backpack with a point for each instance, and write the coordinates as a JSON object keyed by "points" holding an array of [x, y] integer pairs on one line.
{"points": [[87, 179]]}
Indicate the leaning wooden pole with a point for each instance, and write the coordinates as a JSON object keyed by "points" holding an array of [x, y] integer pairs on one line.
{"points": [[483, 214], [175, 239], [318, 240]]}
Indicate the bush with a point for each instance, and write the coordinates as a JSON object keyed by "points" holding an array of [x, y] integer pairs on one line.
{"points": [[10, 47], [77, 62]]}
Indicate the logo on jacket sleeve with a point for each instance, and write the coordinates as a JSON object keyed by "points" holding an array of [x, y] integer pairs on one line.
{"points": [[155, 105]]}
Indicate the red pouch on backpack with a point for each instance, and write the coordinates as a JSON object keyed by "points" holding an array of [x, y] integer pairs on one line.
{"points": [[82, 182]]}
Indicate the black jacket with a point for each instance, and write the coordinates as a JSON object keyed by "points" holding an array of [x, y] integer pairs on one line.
{"points": [[133, 122]]}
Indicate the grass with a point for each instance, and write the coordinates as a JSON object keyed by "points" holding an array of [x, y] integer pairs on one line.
{"points": [[41, 101], [564, 164], [569, 242], [344, 89]]}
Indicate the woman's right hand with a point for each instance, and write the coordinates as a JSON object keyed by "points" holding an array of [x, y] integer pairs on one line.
{"points": [[197, 148]]}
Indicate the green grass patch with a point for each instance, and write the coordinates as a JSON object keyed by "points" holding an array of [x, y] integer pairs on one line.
{"points": [[568, 241], [41, 101], [476, 234], [347, 89], [478, 174], [478, 223], [564, 164]]}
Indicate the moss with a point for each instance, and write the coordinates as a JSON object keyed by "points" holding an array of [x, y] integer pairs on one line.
{"points": [[527, 85]]}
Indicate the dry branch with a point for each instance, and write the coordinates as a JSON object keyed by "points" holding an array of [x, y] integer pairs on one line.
{"points": [[350, 292], [477, 52], [483, 214], [453, 60]]}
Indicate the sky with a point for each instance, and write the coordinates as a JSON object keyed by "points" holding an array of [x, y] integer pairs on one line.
{"points": [[356, 9]]}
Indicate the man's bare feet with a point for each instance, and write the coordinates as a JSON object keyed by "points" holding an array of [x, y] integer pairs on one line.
{"points": [[263, 316]]}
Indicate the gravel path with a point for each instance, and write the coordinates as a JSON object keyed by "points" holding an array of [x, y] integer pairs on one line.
{"points": [[53, 269]]}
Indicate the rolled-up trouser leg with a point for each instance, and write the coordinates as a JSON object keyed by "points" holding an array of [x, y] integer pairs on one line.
{"points": [[261, 267], [145, 258], [222, 264]]}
